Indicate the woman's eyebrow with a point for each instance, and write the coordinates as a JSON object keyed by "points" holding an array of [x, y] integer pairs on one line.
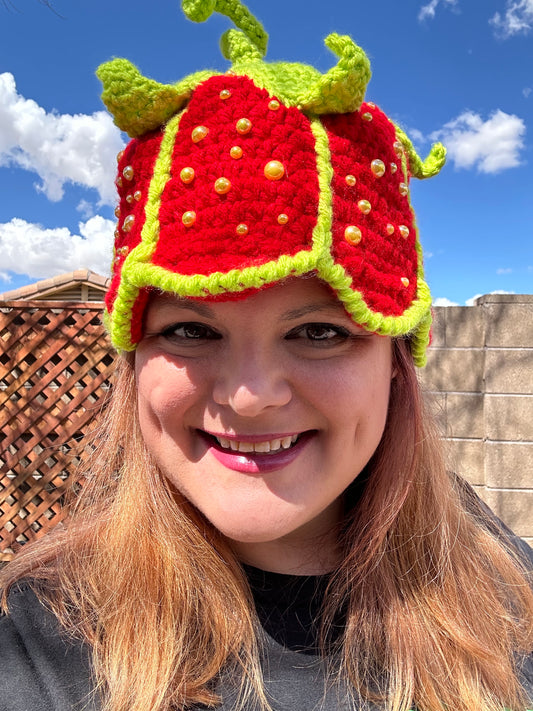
{"points": [[196, 306], [332, 306]]}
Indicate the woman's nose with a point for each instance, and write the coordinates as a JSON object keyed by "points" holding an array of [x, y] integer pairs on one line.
{"points": [[251, 384]]}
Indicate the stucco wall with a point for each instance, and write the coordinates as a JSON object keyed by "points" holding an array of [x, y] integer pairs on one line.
{"points": [[480, 379]]}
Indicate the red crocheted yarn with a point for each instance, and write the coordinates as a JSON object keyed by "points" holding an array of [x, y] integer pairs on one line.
{"points": [[137, 160], [276, 133], [379, 262]]}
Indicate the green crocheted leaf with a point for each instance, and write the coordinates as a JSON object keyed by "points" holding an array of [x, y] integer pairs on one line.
{"points": [[138, 104], [342, 89]]}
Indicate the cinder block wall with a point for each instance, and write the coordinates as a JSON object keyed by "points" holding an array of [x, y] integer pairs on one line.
{"points": [[479, 378]]}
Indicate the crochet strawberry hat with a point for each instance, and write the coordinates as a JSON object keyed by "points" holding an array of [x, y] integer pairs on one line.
{"points": [[234, 181]]}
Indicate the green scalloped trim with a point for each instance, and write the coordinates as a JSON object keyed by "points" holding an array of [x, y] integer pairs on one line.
{"points": [[121, 315], [416, 319]]}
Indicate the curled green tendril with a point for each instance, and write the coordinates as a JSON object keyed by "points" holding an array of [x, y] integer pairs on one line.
{"points": [[201, 10], [238, 48], [423, 168]]}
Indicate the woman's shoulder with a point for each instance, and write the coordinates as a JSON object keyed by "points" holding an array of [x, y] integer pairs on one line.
{"points": [[42, 669]]}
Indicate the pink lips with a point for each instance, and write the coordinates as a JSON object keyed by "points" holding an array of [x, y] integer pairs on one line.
{"points": [[257, 462]]}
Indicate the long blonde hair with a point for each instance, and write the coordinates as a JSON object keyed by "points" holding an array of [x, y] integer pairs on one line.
{"points": [[437, 605]]}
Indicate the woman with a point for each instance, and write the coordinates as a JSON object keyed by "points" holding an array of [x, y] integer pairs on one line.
{"points": [[265, 519]]}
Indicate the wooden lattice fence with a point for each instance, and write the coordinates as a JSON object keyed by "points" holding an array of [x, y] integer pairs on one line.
{"points": [[55, 367]]}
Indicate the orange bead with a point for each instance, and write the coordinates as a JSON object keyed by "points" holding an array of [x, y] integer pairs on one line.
{"points": [[350, 180], [404, 231], [222, 186], [378, 167], [241, 229], [199, 133], [405, 281], [283, 219], [128, 223], [236, 152], [364, 206], [187, 175], [390, 229], [188, 218], [243, 126], [274, 170], [128, 172], [225, 94], [353, 235]]}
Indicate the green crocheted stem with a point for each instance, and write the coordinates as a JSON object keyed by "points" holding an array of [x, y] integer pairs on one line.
{"points": [[419, 168], [139, 104], [201, 10]]}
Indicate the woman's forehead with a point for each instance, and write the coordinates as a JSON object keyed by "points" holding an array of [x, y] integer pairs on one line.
{"points": [[295, 296]]}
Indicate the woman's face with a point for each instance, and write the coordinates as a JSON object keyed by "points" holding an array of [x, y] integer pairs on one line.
{"points": [[261, 411]]}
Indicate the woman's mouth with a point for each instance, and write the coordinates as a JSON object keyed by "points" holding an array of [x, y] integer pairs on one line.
{"points": [[257, 453]]}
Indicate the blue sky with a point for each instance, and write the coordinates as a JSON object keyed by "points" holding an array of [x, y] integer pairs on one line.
{"points": [[457, 70]]}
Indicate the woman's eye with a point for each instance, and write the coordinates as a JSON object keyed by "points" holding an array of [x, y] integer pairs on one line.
{"points": [[320, 333], [190, 332]]}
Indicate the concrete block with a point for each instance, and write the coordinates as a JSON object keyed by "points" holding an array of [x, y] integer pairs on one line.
{"points": [[464, 416], [456, 370], [466, 458], [465, 327], [438, 327], [509, 371], [509, 465], [509, 418], [509, 324], [504, 299], [515, 508]]}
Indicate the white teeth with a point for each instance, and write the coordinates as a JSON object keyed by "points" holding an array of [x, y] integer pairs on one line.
{"points": [[262, 447], [273, 445], [246, 446]]}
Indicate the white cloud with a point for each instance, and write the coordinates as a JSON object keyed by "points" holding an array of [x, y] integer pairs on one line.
{"points": [[517, 19], [526, 92], [85, 208], [60, 148], [40, 253], [443, 301], [504, 270], [427, 12], [490, 146]]}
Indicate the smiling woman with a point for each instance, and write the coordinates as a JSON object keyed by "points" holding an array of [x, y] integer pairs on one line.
{"points": [[262, 412], [265, 521]]}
